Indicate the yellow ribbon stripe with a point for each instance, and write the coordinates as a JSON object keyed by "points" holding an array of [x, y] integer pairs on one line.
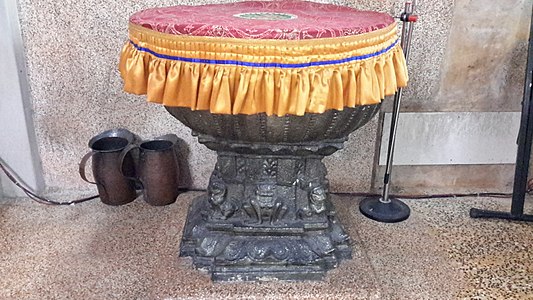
{"points": [[276, 77]]}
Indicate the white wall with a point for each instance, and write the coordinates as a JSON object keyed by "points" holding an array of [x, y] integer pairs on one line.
{"points": [[17, 138], [453, 138]]}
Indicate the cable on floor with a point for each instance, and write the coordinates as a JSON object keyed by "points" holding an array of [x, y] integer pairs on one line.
{"points": [[11, 175], [433, 196], [15, 178]]}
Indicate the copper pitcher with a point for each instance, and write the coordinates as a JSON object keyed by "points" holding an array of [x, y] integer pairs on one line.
{"points": [[158, 170], [106, 149]]}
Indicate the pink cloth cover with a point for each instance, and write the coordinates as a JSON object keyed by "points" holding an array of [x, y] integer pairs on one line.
{"points": [[288, 19]]}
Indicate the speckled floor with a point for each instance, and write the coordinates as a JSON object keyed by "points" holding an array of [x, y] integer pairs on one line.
{"points": [[94, 251]]}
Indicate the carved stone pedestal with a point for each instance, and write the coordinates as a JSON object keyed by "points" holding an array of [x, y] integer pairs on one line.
{"points": [[267, 214]]}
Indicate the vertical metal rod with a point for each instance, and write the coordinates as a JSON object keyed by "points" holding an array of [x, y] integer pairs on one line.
{"points": [[523, 155], [524, 138], [407, 30]]}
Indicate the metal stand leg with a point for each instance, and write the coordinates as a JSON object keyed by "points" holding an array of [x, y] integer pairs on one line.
{"points": [[386, 209], [523, 155]]}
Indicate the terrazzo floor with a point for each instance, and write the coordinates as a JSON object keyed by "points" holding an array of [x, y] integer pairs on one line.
{"points": [[94, 251]]}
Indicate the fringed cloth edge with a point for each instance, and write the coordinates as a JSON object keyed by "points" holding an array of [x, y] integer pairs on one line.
{"points": [[238, 76]]}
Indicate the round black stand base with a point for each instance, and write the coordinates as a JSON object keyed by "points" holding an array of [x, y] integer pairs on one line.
{"points": [[392, 212]]}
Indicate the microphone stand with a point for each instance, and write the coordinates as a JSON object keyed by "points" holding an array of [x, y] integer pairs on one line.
{"points": [[385, 208]]}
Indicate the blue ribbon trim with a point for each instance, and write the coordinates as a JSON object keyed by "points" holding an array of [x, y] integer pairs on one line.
{"points": [[263, 65]]}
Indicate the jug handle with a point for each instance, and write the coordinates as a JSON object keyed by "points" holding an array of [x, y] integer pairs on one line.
{"points": [[123, 154], [83, 164]]}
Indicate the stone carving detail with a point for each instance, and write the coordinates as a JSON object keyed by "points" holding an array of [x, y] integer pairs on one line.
{"points": [[262, 213], [300, 168], [221, 208], [283, 183], [317, 196], [265, 204], [241, 169], [270, 167], [267, 214]]}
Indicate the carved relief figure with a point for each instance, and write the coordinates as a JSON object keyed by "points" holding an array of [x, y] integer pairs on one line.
{"points": [[317, 199], [317, 196], [217, 189], [264, 204]]}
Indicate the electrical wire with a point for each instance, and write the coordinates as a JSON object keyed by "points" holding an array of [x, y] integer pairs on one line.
{"points": [[13, 177], [433, 196], [529, 191]]}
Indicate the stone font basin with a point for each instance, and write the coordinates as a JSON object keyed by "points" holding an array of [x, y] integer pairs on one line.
{"points": [[273, 87], [289, 129]]}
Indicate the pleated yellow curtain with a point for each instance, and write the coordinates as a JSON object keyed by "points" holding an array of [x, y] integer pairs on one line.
{"points": [[276, 77]]}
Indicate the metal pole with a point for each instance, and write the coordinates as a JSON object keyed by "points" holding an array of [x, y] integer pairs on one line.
{"points": [[385, 208], [525, 137], [407, 31]]}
